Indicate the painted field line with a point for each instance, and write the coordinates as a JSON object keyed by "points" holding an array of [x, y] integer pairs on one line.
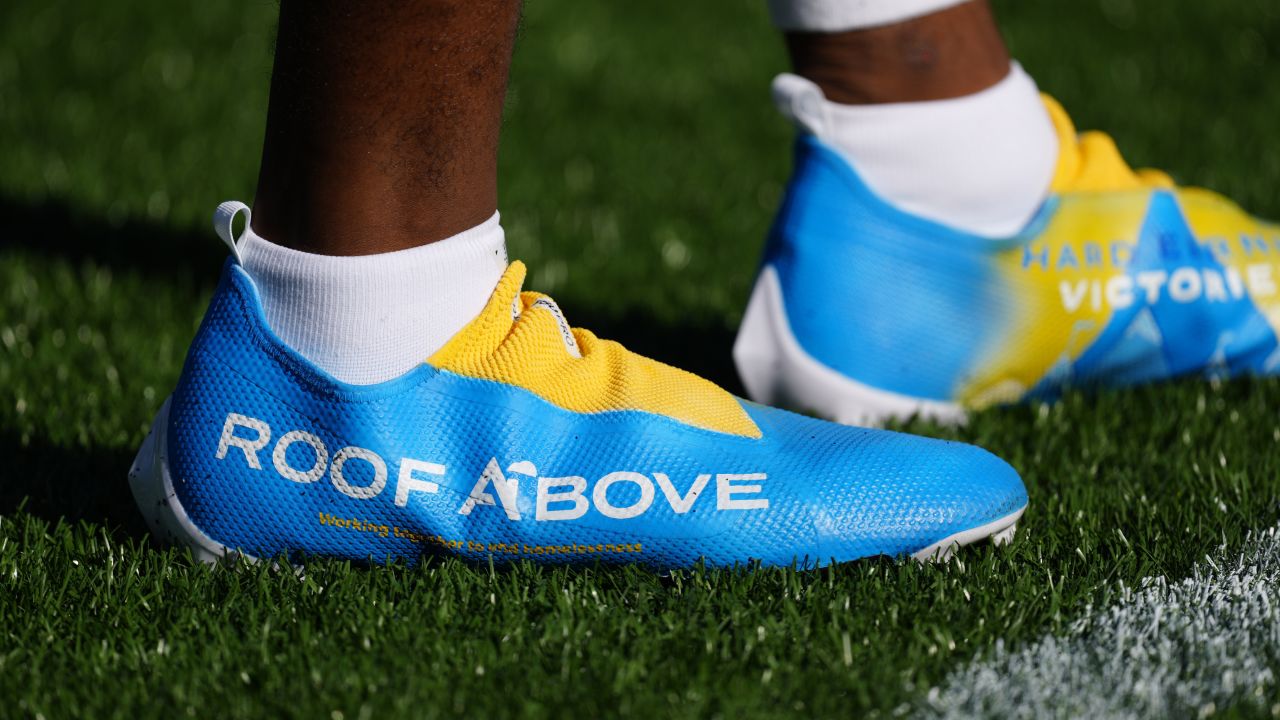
{"points": [[1183, 649]]}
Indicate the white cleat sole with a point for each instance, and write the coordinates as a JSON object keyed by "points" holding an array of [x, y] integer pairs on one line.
{"points": [[153, 492], [777, 371], [1000, 531]]}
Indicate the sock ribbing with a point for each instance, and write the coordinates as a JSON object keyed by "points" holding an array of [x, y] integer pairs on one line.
{"points": [[980, 163], [370, 318], [842, 15]]}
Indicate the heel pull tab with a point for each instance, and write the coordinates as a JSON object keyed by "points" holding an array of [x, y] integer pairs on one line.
{"points": [[802, 102], [224, 221]]}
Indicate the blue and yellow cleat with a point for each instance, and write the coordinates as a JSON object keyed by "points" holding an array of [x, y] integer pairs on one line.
{"points": [[863, 313], [525, 439]]}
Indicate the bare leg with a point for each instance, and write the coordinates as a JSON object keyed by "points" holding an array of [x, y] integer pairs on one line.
{"points": [[382, 129]]}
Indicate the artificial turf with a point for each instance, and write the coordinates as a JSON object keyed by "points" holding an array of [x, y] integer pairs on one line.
{"points": [[641, 163]]}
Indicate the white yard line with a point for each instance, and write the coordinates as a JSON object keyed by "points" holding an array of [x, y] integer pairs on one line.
{"points": [[1182, 649]]}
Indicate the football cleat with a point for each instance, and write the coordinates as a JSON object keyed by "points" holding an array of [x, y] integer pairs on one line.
{"points": [[862, 312], [526, 439]]}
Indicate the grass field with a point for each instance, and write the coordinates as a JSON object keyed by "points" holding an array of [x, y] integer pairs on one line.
{"points": [[641, 164]]}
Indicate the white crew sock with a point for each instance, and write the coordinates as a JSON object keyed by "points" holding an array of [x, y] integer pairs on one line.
{"points": [[370, 318], [840, 15], [980, 163]]}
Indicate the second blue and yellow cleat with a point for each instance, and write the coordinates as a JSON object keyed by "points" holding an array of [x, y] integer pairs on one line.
{"points": [[863, 312]]}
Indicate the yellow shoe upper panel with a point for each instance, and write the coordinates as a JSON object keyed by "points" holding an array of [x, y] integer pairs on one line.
{"points": [[522, 339]]}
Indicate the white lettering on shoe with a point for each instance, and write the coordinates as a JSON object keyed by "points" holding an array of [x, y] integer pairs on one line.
{"points": [[555, 498], [406, 482], [726, 490], [1119, 292], [1183, 285], [1260, 280], [601, 495], [1073, 294], [279, 457], [492, 475], [359, 492], [251, 448], [576, 485], [1152, 281], [680, 505]]}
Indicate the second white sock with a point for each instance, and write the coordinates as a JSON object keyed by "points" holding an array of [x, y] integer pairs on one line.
{"points": [[841, 15], [980, 163], [370, 318]]}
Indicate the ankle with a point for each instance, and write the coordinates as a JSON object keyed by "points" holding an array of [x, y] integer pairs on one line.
{"points": [[350, 209], [949, 53], [372, 318]]}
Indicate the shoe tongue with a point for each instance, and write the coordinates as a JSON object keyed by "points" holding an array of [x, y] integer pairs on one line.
{"points": [[483, 335], [1091, 162], [522, 339], [496, 322], [537, 300]]}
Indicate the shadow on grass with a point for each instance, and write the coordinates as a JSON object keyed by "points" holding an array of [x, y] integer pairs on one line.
{"points": [[91, 485], [52, 482], [55, 229]]}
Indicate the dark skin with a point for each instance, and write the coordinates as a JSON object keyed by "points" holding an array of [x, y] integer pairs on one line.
{"points": [[383, 123], [954, 52], [382, 128]]}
